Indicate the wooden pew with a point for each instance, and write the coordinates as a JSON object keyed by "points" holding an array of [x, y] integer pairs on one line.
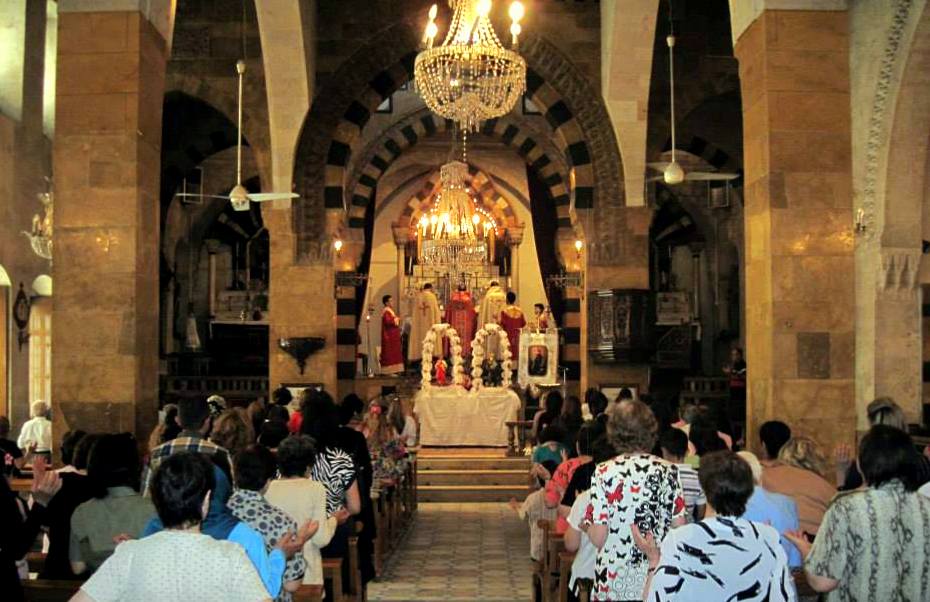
{"points": [[332, 572], [36, 561], [565, 571], [308, 593], [357, 588], [49, 590], [555, 545]]}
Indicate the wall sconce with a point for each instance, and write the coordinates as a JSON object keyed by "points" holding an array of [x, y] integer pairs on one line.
{"points": [[859, 226], [300, 348], [337, 246], [579, 245]]}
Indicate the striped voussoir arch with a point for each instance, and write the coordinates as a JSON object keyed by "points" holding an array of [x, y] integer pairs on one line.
{"points": [[481, 185], [378, 157], [712, 154]]}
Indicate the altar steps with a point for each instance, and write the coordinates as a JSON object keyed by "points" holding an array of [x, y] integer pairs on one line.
{"points": [[471, 476]]}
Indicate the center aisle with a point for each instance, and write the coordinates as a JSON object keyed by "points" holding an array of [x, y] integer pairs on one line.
{"points": [[459, 552]]}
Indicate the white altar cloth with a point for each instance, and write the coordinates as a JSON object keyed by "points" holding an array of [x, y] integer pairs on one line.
{"points": [[453, 416]]}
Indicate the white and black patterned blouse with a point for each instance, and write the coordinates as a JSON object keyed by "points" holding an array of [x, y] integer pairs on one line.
{"points": [[272, 524], [723, 558], [639, 488], [335, 469]]}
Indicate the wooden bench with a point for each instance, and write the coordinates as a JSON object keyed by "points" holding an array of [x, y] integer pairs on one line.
{"points": [[565, 570], [546, 572], [49, 590]]}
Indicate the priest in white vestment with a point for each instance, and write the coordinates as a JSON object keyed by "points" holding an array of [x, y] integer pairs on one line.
{"points": [[425, 314], [495, 300]]}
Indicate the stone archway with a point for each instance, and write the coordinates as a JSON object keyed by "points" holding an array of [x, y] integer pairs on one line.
{"points": [[890, 155]]}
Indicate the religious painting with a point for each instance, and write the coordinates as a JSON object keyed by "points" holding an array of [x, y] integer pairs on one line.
{"points": [[539, 357]]}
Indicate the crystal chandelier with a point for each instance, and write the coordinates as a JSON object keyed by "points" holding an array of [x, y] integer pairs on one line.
{"points": [[455, 234], [471, 77], [41, 235]]}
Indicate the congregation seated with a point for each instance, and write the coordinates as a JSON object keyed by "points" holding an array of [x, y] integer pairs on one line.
{"points": [[387, 450], [550, 447], [558, 484], [575, 507], [885, 411], [570, 421], [21, 523], [534, 508], [196, 421], [253, 468], [167, 427], [552, 408], [303, 500], [220, 524], [674, 446], [773, 509], [632, 486], [76, 488], [722, 556], [873, 543], [180, 562], [772, 435], [232, 430], [116, 510], [801, 474]]}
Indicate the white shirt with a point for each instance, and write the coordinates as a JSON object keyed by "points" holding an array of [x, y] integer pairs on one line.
{"points": [[176, 565], [303, 500], [583, 564], [36, 430], [532, 510]]}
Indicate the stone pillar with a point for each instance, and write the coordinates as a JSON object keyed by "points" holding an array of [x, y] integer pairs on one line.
{"points": [[514, 239], [110, 86], [212, 247], [800, 299]]}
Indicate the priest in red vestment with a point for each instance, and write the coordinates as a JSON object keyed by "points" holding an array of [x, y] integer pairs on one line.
{"points": [[392, 356], [512, 321], [461, 314]]}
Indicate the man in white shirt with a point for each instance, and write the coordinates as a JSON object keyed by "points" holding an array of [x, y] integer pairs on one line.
{"points": [[36, 434], [178, 563]]}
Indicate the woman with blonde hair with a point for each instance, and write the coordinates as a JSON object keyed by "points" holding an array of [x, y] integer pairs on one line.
{"points": [[232, 430], [800, 473], [388, 454]]}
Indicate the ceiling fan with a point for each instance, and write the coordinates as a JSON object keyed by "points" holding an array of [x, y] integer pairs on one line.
{"points": [[239, 197], [672, 172]]}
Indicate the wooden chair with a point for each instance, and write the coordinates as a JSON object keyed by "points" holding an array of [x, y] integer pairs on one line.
{"points": [[332, 572], [49, 590], [565, 571]]}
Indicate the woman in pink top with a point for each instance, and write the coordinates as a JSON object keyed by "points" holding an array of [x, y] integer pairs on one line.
{"points": [[799, 474], [556, 486]]}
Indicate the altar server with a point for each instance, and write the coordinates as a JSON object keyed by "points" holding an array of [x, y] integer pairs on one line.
{"points": [[392, 357]]}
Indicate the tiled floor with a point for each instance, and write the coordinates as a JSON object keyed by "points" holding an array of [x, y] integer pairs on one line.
{"points": [[458, 553]]}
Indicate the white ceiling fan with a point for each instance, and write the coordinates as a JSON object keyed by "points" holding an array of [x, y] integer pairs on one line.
{"points": [[672, 172], [239, 197]]}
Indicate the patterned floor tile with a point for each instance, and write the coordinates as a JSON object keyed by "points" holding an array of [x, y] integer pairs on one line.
{"points": [[459, 553]]}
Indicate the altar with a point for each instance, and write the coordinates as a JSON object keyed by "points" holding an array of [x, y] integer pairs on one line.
{"points": [[452, 416]]}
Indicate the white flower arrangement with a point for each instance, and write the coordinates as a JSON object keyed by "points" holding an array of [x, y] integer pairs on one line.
{"points": [[438, 332], [479, 351]]}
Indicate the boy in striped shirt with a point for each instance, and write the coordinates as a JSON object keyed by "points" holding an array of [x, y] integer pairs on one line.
{"points": [[674, 444]]}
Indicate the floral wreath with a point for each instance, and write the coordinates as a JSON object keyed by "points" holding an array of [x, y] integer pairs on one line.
{"points": [[478, 350], [437, 332]]}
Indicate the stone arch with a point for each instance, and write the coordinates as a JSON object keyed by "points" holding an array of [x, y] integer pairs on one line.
{"points": [[485, 192], [536, 151], [572, 108], [222, 98]]}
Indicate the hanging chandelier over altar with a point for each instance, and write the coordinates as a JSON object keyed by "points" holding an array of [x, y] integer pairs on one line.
{"points": [[471, 77], [455, 233]]}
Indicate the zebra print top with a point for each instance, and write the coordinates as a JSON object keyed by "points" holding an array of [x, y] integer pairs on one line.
{"points": [[723, 558], [335, 469]]}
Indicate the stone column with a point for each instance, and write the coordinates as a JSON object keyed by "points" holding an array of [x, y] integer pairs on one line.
{"points": [[111, 80], [212, 247], [401, 236], [514, 239], [800, 299]]}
